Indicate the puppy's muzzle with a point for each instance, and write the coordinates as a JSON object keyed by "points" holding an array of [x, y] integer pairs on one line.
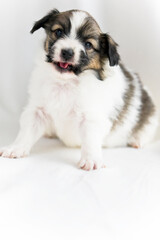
{"points": [[67, 54]]}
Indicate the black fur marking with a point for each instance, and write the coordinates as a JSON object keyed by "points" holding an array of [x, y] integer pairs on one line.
{"points": [[109, 49], [99, 74], [43, 21], [50, 51], [49, 59], [83, 62]]}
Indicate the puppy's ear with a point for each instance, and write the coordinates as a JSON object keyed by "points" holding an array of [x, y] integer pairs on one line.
{"points": [[43, 21], [109, 49]]}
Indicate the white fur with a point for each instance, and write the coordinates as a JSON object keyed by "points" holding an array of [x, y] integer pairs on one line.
{"points": [[77, 20], [79, 110]]}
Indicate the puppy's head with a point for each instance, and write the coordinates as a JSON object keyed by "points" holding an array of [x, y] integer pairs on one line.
{"points": [[75, 43]]}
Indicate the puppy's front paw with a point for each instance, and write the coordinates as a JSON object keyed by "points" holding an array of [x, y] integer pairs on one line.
{"points": [[90, 164], [14, 152]]}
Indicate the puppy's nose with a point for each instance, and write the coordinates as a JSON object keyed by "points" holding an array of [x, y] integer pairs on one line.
{"points": [[67, 54]]}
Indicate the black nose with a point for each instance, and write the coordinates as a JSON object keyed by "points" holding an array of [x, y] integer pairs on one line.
{"points": [[67, 54]]}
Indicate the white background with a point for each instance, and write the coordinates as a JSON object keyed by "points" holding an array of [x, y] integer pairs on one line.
{"points": [[131, 194]]}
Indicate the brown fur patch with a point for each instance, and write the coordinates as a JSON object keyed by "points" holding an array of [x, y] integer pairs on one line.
{"points": [[128, 95], [46, 44], [94, 63], [55, 27], [94, 43], [147, 109]]}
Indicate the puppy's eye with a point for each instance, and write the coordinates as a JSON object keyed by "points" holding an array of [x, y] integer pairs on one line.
{"points": [[88, 45], [58, 32]]}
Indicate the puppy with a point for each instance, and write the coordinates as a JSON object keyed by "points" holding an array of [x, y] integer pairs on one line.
{"points": [[81, 93]]}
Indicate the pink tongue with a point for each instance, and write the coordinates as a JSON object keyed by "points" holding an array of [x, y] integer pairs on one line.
{"points": [[63, 65]]}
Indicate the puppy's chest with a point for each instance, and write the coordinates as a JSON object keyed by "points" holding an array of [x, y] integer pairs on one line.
{"points": [[65, 112], [63, 101]]}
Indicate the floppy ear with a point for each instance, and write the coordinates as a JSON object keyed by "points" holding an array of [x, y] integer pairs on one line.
{"points": [[43, 21], [109, 49]]}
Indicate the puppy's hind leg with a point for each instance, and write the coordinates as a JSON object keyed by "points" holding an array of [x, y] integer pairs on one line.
{"points": [[32, 127], [145, 135]]}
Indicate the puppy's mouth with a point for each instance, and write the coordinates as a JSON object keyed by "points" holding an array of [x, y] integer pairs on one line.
{"points": [[64, 66]]}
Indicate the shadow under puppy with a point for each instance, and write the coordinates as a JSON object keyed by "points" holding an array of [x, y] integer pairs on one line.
{"points": [[81, 93]]}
